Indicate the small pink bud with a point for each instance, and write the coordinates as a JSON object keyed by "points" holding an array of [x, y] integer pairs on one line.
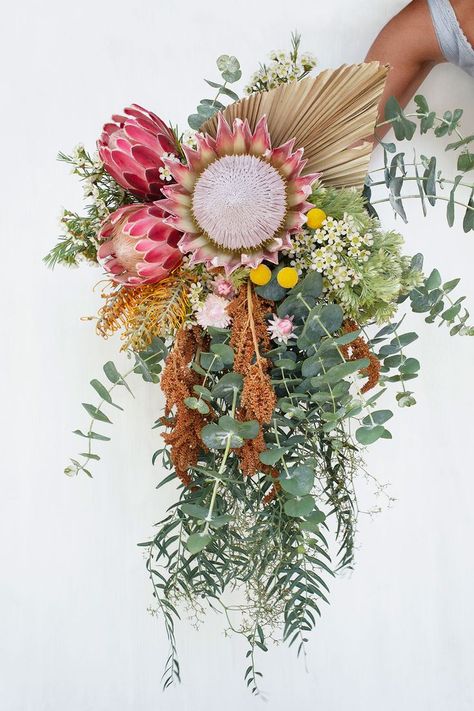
{"points": [[223, 287]]}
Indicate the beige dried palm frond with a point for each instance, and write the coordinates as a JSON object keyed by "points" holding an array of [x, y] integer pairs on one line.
{"points": [[326, 114]]}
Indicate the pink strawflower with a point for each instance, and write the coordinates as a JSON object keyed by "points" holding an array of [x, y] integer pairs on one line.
{"points": [[213, 312], [281, 329], [223, 287]]}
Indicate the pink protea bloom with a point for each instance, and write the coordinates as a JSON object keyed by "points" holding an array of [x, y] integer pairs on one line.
{"points": [[281, 329], [213, 312], [132, 150], [138, 246], [223, 287], [238, 199]]}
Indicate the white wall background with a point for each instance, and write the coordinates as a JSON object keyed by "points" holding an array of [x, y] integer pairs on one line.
{"points": [[74, 629]]}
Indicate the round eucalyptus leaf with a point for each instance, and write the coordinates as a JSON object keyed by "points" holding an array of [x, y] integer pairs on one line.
{"points": [[195, 510], [206, 110], [191, 402], [195, 121], [215, 437], [338, 372], [203, 392], [311, 285], [298, 481], [245, 430], [227, 385], [293, 305], [224, 351], [313, 520], [249, 429], [227, 63], [211, 362], [321, 321], [272, 456], [368, 435], [220, 521], [410, 366], [197, 542], [202, 407], [380, 417], [299, 506], [272, 291]]}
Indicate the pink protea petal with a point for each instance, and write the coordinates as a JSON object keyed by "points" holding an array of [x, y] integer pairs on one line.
{"points": [[132, 150], [260, 142], [138, 247], [191, 242], [197, 160], [224, 137], [181, 173], [293, 165], [143, 155], [281, 154], [183, 223], [294, 220], [240, 142]]}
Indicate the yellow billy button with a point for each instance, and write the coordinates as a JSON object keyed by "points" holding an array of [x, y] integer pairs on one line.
{"points": [[260, 275], [315, 218], [287, 277]]}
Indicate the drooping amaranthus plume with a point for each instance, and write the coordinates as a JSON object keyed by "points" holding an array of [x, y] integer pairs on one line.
{"points": [[185, 424], [359, 349], [132, 150], [138, 246], [238, 199], [249, 337]]}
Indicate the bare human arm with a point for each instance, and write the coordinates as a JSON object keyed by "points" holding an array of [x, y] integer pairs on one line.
{"points": [[408, 43]]}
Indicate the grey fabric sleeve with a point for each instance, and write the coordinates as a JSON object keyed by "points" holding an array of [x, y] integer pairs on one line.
{"points": [[452, 41]]}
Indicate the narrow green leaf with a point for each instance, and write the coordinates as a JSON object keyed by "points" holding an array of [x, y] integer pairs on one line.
{"points": [[95, 413]]}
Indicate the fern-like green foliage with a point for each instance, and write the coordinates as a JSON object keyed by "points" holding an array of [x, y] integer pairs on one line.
{"points": [[386, 276], [338, 202]]}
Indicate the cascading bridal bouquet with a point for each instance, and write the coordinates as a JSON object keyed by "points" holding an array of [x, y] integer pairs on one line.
{"points": [[249, 276]]}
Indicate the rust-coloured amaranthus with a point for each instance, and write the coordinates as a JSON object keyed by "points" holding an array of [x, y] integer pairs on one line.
{"points": [[359, 349], [177, 383], [249, 338], [145, 311]]}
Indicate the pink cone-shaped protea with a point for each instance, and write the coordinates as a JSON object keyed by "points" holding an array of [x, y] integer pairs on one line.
{"points": [[139, 247], [237, 200], [132, 150]]}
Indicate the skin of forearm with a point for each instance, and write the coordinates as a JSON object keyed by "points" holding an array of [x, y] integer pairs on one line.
{"points": [[408, 44]]}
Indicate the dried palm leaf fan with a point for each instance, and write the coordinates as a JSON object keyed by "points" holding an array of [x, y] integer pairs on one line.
{"points": [[326, 114]]}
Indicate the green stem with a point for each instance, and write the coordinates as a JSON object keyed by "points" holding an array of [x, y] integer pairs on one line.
{"points": [[417, 196], [218, 481]]}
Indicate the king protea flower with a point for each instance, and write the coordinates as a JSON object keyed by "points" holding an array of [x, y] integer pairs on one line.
{"points": [[238, 199], [139, 247], [132, 151]]}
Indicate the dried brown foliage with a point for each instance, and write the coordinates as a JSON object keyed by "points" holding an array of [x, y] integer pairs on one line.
{"points": [[177, 383], [359, 349], [249, 337]]}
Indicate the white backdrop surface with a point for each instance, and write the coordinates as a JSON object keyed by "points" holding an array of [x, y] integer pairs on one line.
{"points": [[74, 628]]}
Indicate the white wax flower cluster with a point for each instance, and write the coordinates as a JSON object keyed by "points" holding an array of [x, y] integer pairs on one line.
{"points": [[335, 250], [283, 68]]}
